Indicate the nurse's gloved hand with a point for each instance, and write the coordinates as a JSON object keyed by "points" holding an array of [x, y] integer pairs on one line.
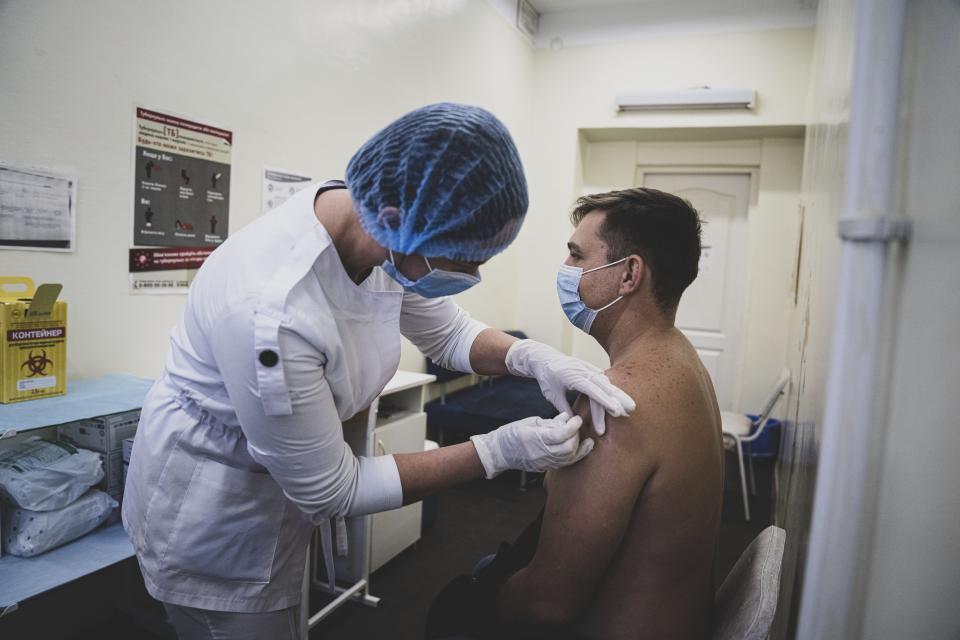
{"points": [[557, 372], [532, 444]]}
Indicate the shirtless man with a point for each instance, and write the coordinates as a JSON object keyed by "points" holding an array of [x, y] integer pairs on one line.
{"points": [[643, 510]]}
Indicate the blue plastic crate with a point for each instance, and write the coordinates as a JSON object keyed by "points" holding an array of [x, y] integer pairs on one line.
{"points": [[768, 444]]}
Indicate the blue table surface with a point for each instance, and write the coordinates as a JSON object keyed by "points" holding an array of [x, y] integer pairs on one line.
{"points": [[86, 398], [22, 578]]}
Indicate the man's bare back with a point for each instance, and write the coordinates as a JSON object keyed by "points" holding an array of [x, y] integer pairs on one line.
{"points": [[643, 509], [660, 582], [627, 542]]}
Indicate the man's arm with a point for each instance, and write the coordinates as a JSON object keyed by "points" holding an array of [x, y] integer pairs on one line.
{"points": [[588, 510]]}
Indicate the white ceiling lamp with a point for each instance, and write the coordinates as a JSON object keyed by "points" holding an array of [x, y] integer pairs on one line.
{"points": [[698, 98]]}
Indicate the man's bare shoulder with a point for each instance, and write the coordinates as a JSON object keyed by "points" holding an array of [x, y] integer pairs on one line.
{"points": [[668, 383], [675, 407]]}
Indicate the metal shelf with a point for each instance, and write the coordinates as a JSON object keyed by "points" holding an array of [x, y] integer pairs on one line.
{"points": [[22, 578], [87, 398]]}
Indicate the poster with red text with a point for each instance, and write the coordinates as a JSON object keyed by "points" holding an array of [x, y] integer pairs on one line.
{"points": [[181, 198]]}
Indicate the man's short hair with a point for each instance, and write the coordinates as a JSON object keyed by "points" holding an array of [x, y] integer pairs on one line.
{"points": [[661, 228]]}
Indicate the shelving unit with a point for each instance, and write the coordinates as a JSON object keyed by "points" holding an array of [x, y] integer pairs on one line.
{"points": [[23, 578], [88, 398], [373, 539]]}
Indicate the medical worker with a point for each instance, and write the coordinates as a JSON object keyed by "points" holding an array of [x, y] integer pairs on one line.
{"points": [[292, 326]]}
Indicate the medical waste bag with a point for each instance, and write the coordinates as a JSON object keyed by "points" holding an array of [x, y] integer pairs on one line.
{"points": [[39, 475], [28, 533]]}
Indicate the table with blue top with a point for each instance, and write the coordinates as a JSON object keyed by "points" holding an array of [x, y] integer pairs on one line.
{"points": [[23, 578]]}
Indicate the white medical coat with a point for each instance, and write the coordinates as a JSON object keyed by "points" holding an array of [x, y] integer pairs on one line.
{"points": [[240, 450]]}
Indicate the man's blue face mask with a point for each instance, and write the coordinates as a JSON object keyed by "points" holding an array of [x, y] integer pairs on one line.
{"points": [[568, 288], [436, 284]]}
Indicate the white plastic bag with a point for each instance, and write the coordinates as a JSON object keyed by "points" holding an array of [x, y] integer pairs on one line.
{"points": [[28, 533], [40, 475]]}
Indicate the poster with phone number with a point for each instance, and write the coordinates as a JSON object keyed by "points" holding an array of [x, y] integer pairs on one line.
{"points": [[181, 199]]}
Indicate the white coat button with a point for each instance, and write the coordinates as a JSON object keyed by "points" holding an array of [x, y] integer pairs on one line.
{"points": [[269, 358]]}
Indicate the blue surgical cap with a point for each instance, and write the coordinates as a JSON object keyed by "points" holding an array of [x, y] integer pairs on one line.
{"points": [[442, 181]]}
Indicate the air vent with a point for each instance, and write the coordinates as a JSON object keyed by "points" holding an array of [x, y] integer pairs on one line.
{"points": [[528, 19]]}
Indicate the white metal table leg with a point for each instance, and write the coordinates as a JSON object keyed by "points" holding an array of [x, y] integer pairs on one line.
{"points": [[305, 598], [743, 481], [346, 595]]}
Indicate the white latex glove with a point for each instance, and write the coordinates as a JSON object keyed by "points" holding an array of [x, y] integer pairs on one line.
{"points": [[532, 444], [557, 372]]}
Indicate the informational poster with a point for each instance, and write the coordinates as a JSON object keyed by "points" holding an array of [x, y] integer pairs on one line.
{"points": [[37, 209], [165, 270], [279, 185], [181, 198]]}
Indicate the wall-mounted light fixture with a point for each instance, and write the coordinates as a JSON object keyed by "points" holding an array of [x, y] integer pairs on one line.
{"points": [[699, 98]]}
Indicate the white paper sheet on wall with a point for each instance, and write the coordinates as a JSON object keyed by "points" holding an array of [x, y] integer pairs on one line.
{"points": [[279, 185], [37, 209]]}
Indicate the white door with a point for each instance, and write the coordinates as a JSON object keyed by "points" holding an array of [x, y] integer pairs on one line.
{"points": [[711, 310]]}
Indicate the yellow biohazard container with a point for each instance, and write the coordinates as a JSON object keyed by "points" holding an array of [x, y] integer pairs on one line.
{"points": [[33, 340]]}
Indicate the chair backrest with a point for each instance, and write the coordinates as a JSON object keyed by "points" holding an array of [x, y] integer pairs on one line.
{"points": [[747, 600], [771, 401]]}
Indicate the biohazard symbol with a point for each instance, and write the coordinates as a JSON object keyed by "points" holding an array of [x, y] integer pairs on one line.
{"points": [[37, 364]]}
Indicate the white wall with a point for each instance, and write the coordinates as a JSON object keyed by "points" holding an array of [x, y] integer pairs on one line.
{"points": [[301, 83], [913, 587], [811, 319], [909, 557], [303, 93], [574, 105], [639, 20]]}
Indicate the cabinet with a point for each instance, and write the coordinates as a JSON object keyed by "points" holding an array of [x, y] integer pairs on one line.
{"points": [[394, 423], [393, 531]]}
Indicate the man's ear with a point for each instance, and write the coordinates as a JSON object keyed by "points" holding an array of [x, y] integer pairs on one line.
{"points": [[633, 276]]}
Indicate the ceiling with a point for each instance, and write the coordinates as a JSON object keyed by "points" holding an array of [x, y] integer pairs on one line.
{"points": [[547, 6], [566, 23]]}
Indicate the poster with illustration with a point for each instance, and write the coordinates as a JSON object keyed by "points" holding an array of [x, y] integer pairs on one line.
{"points": [[181, 198]]}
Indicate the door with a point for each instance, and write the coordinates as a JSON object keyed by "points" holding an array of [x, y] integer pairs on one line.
{"points": [[711, 310]]}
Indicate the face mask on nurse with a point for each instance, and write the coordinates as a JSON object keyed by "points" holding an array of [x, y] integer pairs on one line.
{"points": [[568, 288], [437, 283]]}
